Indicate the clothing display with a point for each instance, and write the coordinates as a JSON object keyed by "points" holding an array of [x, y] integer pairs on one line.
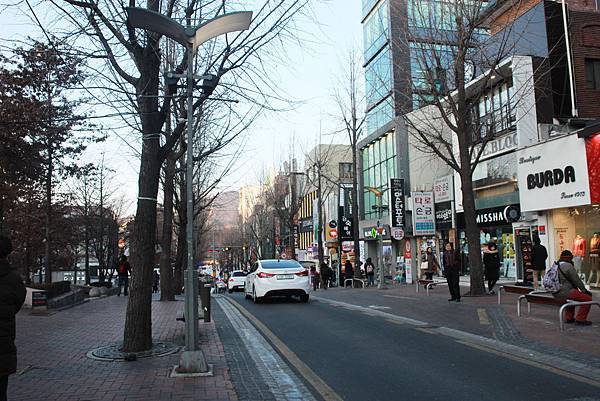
{"points": [[579, 246], [595, 245], [577, 262]]}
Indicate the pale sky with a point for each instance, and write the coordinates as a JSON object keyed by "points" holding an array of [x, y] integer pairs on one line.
{"points": [[309, 78]]}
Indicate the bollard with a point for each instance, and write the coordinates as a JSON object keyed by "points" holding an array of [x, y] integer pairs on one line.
{"points": [[205, 300]]}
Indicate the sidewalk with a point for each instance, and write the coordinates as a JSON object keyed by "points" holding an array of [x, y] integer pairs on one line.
{"points": [[483, 316], [53, 364]]}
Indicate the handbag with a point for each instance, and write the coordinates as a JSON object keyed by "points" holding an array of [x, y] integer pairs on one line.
{"points": [[424, 266]]}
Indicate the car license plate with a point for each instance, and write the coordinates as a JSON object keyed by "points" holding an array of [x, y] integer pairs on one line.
{"points": [[285, 277]]}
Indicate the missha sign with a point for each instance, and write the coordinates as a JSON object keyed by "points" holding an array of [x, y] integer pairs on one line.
{"points": [[553, 174]]}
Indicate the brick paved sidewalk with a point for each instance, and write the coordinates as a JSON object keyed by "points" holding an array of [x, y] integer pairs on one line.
{"points": [[53, 363], [483, 316]]}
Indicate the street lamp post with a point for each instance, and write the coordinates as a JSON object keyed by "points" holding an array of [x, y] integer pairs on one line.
{"points": [[380, 208], [192, 360]]}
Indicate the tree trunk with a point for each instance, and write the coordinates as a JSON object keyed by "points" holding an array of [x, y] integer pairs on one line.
{"points": [[47, 249], [355, 230], [472, 231], [320, 217], [166, 271], [181, 256], [138, 322]]}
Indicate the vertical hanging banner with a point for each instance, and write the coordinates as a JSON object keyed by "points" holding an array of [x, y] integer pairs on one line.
{"points": [[423, 213], [396, 203]]}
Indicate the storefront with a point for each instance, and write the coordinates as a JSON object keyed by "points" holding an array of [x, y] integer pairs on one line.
{"points": [[562, 189]]}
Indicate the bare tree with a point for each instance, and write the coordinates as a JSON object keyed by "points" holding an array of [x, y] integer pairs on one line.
{"points": [[350, 101], [238, 63]]}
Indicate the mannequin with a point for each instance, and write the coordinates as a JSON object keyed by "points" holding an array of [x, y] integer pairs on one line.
{"points": [[578, 252], [595, 259]]}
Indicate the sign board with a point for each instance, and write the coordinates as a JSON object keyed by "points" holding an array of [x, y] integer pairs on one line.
{"points": [[346, 230], [396, 203], [346, 172], [39, 299], [423, 213], [397, 233], [333, 233], [443, 215], [347, 246], [498, 146], [408, 270], [443, 189], [370, 233], [553, 174]]}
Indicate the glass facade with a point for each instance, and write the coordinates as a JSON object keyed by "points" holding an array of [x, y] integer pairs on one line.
{"points": [[378, 77], [495, 110], [378, 166], [376, 30], [380, 115]]}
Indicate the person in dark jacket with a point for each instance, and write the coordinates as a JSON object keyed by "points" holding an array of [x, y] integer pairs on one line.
{"points": [[123, 270], [452, 271], [325, 275], [156, 282], [12, 296], [539, 256], [571, 287], [348, 272], [370, 272], [491, 265]]}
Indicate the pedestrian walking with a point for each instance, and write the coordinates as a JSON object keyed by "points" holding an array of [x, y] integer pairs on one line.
{"points": [[571, 287], [12, 296], [370, 269], [432, 266], [348, 273], [315, 277], [155, 282], [452, 271], [325, 275], [491, 265], [539, 256], [123, 270]]}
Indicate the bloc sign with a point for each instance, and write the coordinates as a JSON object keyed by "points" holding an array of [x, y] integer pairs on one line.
{"points": [[423, 213]]}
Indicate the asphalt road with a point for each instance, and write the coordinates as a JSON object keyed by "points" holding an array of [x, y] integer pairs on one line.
{"points": [[368, 358]]}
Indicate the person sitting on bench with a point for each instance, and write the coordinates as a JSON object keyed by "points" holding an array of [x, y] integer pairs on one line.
{"points": [[571, 287]]}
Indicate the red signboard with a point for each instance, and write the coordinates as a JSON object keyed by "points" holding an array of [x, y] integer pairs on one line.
{"points": [[592, 147]]}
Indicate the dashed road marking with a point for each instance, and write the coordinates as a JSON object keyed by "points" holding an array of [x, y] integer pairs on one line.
{"points": [[483, 317]]}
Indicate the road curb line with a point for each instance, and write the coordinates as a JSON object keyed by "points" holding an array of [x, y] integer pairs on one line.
{"points": [[558, 365], [326, 392]]}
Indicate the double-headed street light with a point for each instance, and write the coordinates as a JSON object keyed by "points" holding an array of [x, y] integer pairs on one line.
{"points": [[192, 361]]}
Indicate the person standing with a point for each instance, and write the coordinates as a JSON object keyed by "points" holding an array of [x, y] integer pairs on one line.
{"points": [[325, 275], [314, 276], [538, 261], [452, 271], [432, 263], [123, 270], [348, 272], [12, 296], [370, 271], [491, 265], [571, 287], [155, 282]]}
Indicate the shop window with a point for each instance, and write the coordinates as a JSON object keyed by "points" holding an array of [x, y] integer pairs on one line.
{"points": [[592, 73]]}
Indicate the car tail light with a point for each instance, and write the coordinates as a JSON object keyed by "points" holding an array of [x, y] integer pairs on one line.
{"points": [[302, 273], [230, 280], [264, 275]]}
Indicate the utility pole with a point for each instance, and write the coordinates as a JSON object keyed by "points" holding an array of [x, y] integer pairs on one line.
{"points": [[380, 208]]}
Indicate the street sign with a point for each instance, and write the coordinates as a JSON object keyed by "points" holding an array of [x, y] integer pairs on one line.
{"points": [[333, 224], [397, 233], [333, 233]]}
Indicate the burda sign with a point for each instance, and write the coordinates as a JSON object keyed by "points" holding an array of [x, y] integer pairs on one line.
{"points": [[553, 175]]}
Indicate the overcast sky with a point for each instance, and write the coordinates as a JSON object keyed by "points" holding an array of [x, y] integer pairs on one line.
{"points": [[309, 77]]}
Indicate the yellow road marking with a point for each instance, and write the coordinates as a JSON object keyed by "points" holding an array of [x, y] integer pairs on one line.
{"points": [[326, 392], [539, 365], [483, 317]]}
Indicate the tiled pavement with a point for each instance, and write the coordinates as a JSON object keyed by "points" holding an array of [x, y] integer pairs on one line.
{"points": [[53, 363]]}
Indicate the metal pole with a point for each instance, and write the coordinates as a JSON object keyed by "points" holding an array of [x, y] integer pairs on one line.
{"points": [[191, 297], [381, 275]]}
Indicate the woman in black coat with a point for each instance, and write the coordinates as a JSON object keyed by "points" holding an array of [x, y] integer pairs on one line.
{"points": [[491, 264], [12, 296]]}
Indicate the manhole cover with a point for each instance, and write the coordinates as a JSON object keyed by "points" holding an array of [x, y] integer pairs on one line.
{"points": [[114, 352]]}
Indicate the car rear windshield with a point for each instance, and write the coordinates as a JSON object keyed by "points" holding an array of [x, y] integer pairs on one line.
{"points": [[239, 274], [280, 264]]}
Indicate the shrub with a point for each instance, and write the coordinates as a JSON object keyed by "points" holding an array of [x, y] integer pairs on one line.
{"points": [[53, 289]]}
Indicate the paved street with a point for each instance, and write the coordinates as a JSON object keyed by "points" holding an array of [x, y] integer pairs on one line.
{"points": [[364, 355]]}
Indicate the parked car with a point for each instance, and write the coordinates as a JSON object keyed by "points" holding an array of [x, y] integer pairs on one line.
{"points": [[236, 280], [273, 277]]}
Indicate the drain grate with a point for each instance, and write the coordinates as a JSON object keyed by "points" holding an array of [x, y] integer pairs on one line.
{"points": [[114, 352]]}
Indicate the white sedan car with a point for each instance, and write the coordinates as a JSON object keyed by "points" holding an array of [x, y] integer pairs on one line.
{"points": [[273, 277], [236, 280]]}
